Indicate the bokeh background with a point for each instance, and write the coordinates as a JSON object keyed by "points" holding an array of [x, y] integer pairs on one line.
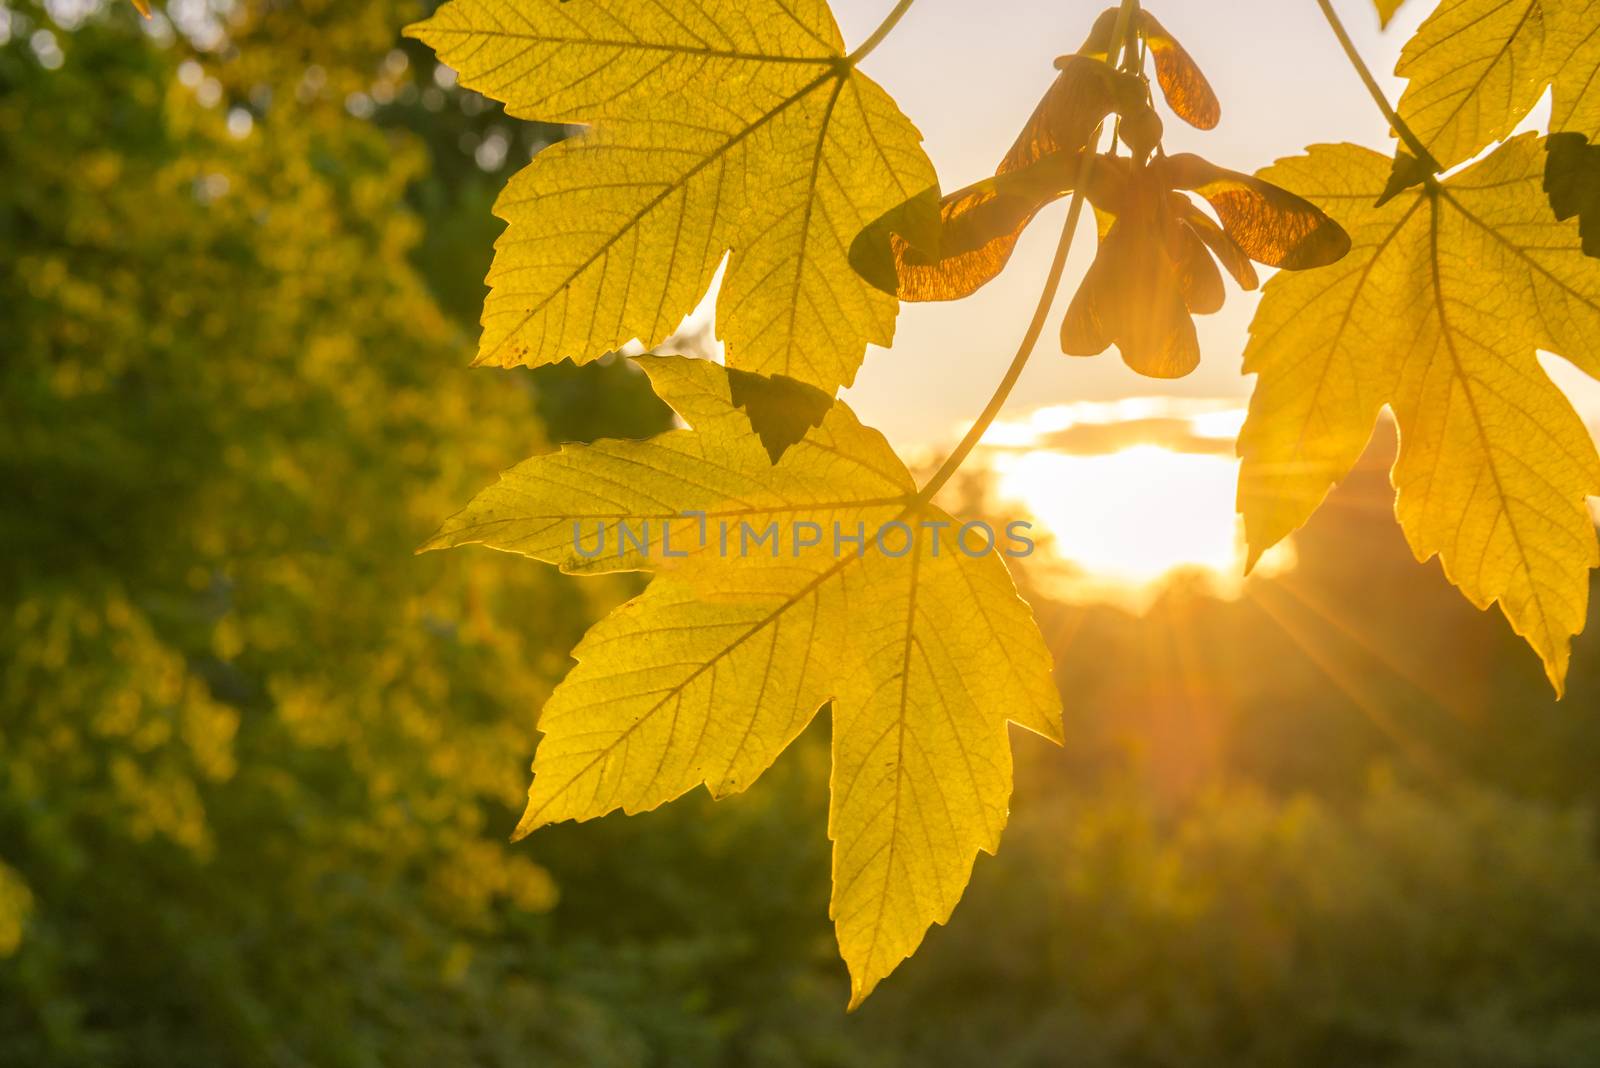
{"points": [[258, 762]]}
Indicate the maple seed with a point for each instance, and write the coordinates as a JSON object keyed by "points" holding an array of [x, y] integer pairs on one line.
{"points": [[1086, 90], [1185, 88], [977, 229], [1158, 259], [969, 242], [1154, 268]]}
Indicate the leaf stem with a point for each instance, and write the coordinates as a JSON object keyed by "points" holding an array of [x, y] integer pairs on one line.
{"points": [[1126, 32], [875, 39], [1406, 133]]}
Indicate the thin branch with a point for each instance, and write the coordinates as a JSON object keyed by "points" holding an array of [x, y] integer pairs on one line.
{"points": [[1126, 32], [884, 29], [1041, 313], [1407, 134]]}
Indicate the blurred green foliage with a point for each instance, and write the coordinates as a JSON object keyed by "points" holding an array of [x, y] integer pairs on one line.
{"points": [[258, 761], [233, 405]]}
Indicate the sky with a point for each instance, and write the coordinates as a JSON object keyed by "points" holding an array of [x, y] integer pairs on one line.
{"points": [[969, 74]]}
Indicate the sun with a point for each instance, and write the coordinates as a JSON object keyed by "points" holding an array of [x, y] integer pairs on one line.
{"points": [[1124, 499]]}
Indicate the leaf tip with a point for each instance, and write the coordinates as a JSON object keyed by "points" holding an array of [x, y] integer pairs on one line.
{"points": [[1407, 172], [1044, 722], [1057, 733], [859, 992], [446, 537], [1555, 669], [1386, 12], [417, 30], [529, 823]]}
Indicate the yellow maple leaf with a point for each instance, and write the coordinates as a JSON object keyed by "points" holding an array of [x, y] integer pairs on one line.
{"points": [[1449, 293], [924, 648], [1573, 46], [732, 125], [1477, 67]]}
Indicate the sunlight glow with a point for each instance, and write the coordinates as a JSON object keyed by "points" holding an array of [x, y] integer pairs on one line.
{"points": [[1207, 418], [1119, 525], [1134, 514]]}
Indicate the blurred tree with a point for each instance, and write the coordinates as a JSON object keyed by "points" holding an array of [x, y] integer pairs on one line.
{"points": [[257, 761]]}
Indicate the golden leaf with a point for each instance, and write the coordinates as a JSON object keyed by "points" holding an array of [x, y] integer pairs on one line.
{"points": [[1574, 62], [1477, 67], [715, 126], [1438, 312], [708, 675]]}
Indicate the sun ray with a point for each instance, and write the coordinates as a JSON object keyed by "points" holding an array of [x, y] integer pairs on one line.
{"points": [[1421, 756], [1379, 652]]}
